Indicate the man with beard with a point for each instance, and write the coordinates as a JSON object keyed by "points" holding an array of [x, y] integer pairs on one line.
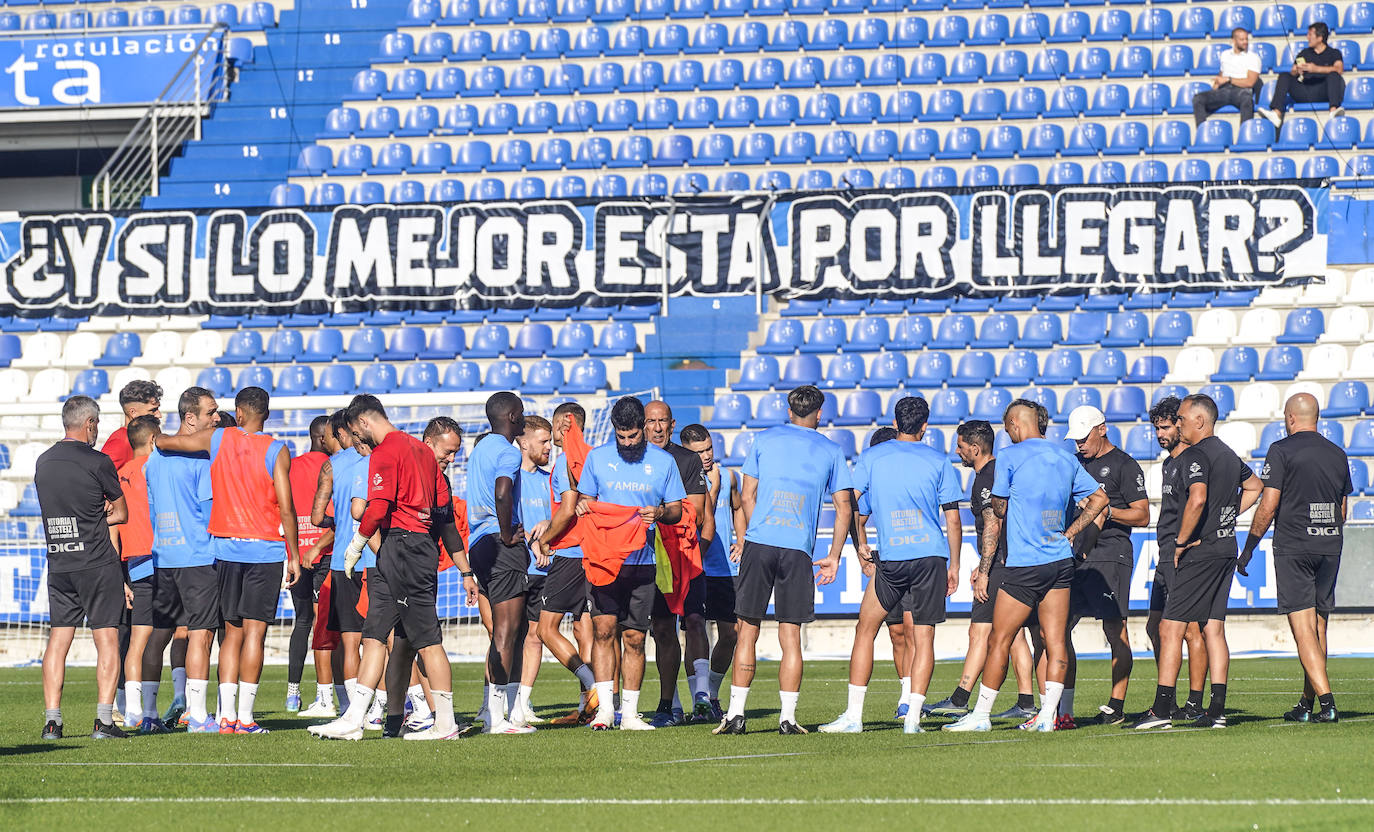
{"points": [[1164, 417], [789, 472], [658, 426], [536, 446], [635, 486]]}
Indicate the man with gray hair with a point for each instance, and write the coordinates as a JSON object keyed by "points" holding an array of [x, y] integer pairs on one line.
{"points": [[80, 498], [137, 398]]}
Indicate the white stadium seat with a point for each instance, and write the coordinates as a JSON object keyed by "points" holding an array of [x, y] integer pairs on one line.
{"points": [[9, 497], [13, 385], [1258, 401], [51, 423], [23, 459], [1154, 480], [1327, 361], [1347, 325], [161, 349], [1215, 327], [1259, 327], [1329, 292], [80, 350], [1238, 436], [173, 381], [48, 386], [1361, 363], [125, 376], [1302, 387], [1279, 296], [1361, 289], [202, 347], [1193, 365], [40, 350]]}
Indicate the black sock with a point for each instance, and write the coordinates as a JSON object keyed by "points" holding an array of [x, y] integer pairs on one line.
{"points": [[1117, 705], [960, 697], [665, 705], [394, 723], [1166, 699], [1328, 700], [1218, 705], [1025, 701], [1306, 703], [1195, 697]]}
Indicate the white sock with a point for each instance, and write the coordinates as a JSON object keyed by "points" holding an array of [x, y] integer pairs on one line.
{"points": [[986, 696], [629, 704], [496, 704], [228, 694], [605, 708], [133, 698], [120, 701], [381, 697], [713, 683], [512, 694], [522, 699], [443, 711], [179, 682], [584, 677], [913, 710], [702, 672], [360, 699], [418, 703], [737, 697], [1049, 703], [195, 698], [906, 691], [341, 693], [293, 688], [323, 695], [855, 709], [486, 695], [789, 705], [150, 699], [248, 693], [692, 685], [1066, 702], [677, 700]]}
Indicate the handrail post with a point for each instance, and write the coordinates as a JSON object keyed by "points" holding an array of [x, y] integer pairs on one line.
{"points": [[157, 166]]}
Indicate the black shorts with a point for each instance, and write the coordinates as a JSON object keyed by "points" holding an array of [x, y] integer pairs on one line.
{"points": [[1307, 582], [249, 591], [189, 595], [915, 586], [720, 599], [344, 595], [146, 612], [500, 569], [402, 591], [94, 596], [1030, 584], [630, 597], [1199, 590], [1159, 587], [693, 604], [1101, 590], [981, 613], [785, 575], [306, 591], [534, 596], [565, 587]]}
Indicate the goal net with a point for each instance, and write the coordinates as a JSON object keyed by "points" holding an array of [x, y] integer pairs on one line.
{"points": [[23, 561]]}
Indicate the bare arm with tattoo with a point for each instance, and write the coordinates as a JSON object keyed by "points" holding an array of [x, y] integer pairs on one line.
{"points": [[1095, 504]]}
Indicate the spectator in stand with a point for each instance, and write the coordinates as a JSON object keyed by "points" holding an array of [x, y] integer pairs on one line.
{"points": [[1237, 84], [1315, 77]]}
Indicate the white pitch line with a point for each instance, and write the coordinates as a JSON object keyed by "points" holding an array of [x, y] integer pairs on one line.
{"points": [[760, 801], [186, 764], [734, 757], [1343, 721]]}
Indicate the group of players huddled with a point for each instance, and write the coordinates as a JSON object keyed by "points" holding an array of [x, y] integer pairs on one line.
{"points": [[181, 539]]}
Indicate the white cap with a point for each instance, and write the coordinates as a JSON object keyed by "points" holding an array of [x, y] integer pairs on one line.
{"points": [[1082, 420]]}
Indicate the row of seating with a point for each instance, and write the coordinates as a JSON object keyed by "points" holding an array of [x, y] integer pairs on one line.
{"points": [[546, 376], [806, 71], [1277, 19], [533, 340], [254, 15], [1104, 301], [976, 368], [512, 312]]}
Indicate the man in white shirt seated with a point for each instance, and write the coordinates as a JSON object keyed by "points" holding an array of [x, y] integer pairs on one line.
{"points": [[1235, 85]]}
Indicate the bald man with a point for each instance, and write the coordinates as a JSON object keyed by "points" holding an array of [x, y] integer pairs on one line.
{"points": [[1219, 487], [1035, 481], [1306, 481], [658, 428]]}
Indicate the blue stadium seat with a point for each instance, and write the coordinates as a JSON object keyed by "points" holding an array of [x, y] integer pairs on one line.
{"points": [[243, 347], [1086, 328], [801, 369], [948, 407], [998, 331], [1149, 171], [1061, 367], [886, 371], [257, 376], [782, 338], [1141, 444], [283, 346], [1018, 367], [931, 369], [298, 380], [490, 341], [93, 383], [844, 371], [120, 349], [1129, 139], [617, 338], [1320, 167], [1044, 140], [367, 193], [945, 105], [955, 332], [1079, 396], [991, 404], [1087, 139], [1126, 329], [1148, 369], [1235, 170], [1025, 102], [1042, 330], [902, 106], [1303, 326], [731, 411], [1237, 364], [1271, 433], [1223, 394], [1008, 65], [1282, 363], [544, 377], [1030, 27], [771, 411], [533, 340], [461, 376], [863, 407], [1170, 136], [446, 342], [1172, 328], [758, 373], [503, 375], [1070, 27], [1069, 101], [975, 369], [1091, 62], [1104, 173], [912, 332], [968, 68], [1126, 404], [1297, 134], [1105, 367], [1112, 25]]}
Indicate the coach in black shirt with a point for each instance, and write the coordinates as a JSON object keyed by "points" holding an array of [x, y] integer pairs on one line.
{"points": [[1315, 77], [1306, 480], [80, 498]]}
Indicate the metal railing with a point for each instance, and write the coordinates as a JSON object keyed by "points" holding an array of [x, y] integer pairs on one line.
{"points": [[133, 170]]}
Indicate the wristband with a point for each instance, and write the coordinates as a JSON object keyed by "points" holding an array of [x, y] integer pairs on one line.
{"points": [[465, 574]]}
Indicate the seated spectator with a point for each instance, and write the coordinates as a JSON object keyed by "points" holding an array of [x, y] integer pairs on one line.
{"points": [[1237, 84], [1315, 77]]}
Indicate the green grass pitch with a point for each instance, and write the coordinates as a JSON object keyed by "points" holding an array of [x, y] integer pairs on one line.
{"points": [[1258, 774]]}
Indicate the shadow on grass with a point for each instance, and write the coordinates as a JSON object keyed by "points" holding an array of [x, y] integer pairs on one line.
{"points": [[41, 747]]}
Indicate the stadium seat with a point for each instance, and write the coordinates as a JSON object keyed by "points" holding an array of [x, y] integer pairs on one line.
{"points": [[730, 411], [1126, 404], [1105, 367], [1086, 328], [1237, 364], [1018, 367], [1126, 329], [887, 371], [1148, 369], [931, 369], [991, 404], [461, 376], [948, 407], [870, 334], [912, 332], [955, 332], [801, 369], [757, 373], [975, 369], [1347, 398], [1063, 366], [1281, 363]]}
